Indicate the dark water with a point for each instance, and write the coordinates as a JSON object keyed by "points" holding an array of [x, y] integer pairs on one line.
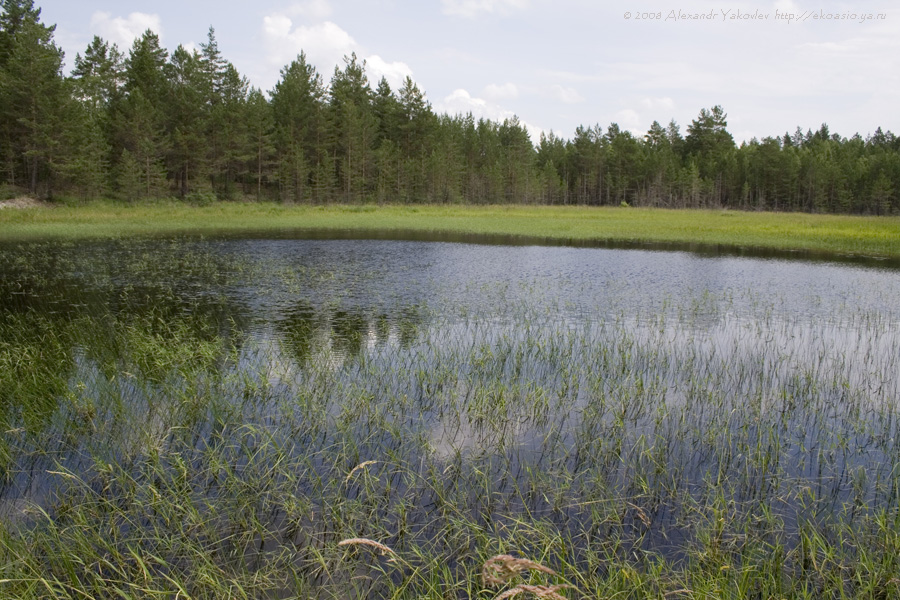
{"points": [[274, 276], [566, 378]]}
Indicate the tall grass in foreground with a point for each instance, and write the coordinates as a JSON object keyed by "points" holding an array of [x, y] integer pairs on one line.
{"points": [[687, 453]]}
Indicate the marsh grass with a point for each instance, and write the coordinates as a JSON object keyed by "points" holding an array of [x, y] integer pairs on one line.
{"points": [[706, 229], [164, 451]]}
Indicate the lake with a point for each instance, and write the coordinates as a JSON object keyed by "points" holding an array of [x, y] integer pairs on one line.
{"points": [[242, 405]]}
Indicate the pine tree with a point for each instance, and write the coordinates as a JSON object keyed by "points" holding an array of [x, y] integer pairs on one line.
{"points": [[517, 159], [14, 15], [32, 96], [297, 110], [416, 122], [230, 119], [260, 126], [882, 195], [188, 117], [352, 128], [586, 156], [96, 86], [98, 75], [387, 111], [214, 68], [142, 118], [710, 145], [550, 159], [145, 70], [661, 163], [227, 133], [85, 164], [141, 132], [389, 181]]}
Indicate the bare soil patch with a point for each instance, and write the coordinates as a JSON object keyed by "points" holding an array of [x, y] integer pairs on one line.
{"points": [[22, 202]]}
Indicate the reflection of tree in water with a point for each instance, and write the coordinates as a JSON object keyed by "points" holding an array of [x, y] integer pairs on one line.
{"points": [[296, 331], [35, 365], [306, 330], [407, 324], [150, 331], [208, 317], [44, 292], [349, 329]]}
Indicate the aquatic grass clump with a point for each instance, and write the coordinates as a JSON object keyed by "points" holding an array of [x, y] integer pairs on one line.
{"points": [[146, 533], [606, 452]]}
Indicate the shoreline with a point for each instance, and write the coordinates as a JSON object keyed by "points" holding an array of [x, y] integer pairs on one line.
{"points": [[822, 236]]}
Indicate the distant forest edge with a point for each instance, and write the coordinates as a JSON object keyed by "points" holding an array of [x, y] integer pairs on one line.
{"points": [[151, 124]]}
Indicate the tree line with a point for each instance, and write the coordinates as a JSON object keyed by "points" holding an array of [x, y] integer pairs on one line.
{"points": [[150, 124]]}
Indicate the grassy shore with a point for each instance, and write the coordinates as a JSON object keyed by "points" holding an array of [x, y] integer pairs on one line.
{"points": [[829, 234]]}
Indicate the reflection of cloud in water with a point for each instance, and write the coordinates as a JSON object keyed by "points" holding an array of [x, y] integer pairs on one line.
{"points": [[269, 359], [455, 434], [376, 336], [456, 431]]}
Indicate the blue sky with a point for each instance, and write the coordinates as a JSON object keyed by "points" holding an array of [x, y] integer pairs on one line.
{"points": [[557, 64]]}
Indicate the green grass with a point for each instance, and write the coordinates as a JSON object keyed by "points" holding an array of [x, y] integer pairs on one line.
{"points": [[827, 234]]}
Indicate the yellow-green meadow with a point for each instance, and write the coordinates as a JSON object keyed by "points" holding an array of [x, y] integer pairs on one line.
{"points": [[845, 235]]}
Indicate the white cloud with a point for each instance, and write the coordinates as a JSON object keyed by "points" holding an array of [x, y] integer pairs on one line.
{"points": [[122, 31], [325, 44], [658, 104], [461, 102], [395, 72], [499, 92], [472, 8], [311, 9], [629, 119], [566, 95]]}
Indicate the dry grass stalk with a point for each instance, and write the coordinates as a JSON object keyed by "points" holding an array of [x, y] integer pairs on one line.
{"points": [[539, 591], [358, 467], [641, 514], [509, 593], [499, 569], [367, 542]]}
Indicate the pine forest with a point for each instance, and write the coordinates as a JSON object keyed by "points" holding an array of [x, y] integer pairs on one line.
{"points": [[143, 123]]}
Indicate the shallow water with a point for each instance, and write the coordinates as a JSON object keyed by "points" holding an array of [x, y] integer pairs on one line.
{"points": [[514, 381]]}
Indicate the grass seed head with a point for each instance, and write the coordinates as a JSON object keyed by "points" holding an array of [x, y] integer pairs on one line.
{"points": [[366, 542], [500, 569], [539, 591], [359, 467]]}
